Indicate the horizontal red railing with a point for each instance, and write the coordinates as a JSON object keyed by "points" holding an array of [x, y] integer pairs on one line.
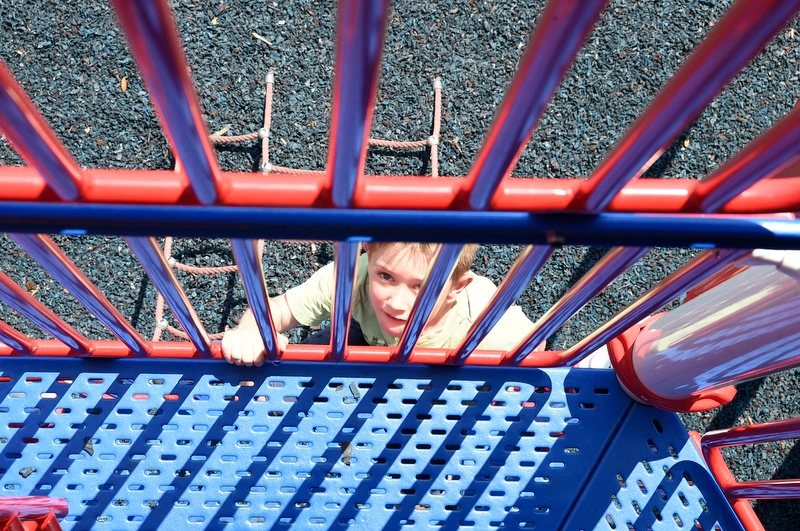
{"points": [[392, 192]]}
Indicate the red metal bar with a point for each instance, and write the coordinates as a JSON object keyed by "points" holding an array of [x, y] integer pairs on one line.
{"points": [[735, 39], [529, 262], [442, 264], [24, 303], [152, 259], [18, 342], [35, 141], [763, 158], [662, 293], [32, 506], [361, 25], [158, 187], [345, 272], [561, 30], [186, 350], [154, 42], [247, 257], [54, 261], [613, 264]]}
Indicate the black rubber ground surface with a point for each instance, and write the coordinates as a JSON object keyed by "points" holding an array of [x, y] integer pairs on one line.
{"points": [[72, 59]]}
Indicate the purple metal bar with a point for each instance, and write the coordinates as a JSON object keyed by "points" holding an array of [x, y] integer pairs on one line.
{"points": [[15, 340], [54, 261], [20, 300], [662, 293], [345, 271], [736, 38], [154, 42], [754, 434], [359, 39], [613, 264], [561, 30], [441, 268], [763, 158], [152, 259], [35, 141], [723, 336], [776, 489], [247, 258], [525, 267]]}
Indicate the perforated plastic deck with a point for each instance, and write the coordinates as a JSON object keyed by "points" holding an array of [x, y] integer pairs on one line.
{"points": [[140, 444]]}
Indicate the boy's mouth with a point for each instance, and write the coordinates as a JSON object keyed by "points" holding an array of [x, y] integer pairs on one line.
{"points": [[394, 320]]}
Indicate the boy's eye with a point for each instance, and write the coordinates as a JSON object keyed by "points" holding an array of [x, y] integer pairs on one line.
{"points": [[385, 276]]}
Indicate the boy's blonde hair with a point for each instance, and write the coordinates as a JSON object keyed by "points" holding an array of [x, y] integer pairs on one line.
{"points": [[465, 259]]}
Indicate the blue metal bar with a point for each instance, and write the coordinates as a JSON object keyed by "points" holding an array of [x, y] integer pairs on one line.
{"points": [[561, 30], [24, 303], [761, 159], [606, 230], [441, 268], [155, 265], [696, 270], [613, 264], [345, 271], [734, 40], [153, 37], [246, 254], [54, 261], [526, 266], [35, 141], [359, 40], [14, 339]]}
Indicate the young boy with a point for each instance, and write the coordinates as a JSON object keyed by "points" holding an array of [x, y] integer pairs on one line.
{"points": [[388, 281]]}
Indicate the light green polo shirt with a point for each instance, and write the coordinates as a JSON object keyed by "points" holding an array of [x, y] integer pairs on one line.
{"points": [[311, 303]]}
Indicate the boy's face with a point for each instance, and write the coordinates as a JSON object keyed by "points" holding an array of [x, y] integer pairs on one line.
{"points": [[396, 273]]}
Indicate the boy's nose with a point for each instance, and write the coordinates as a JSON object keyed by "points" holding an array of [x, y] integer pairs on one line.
{"points": [[401, 302]]}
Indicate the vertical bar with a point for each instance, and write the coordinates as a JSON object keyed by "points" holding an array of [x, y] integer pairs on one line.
{"points": [[155, 265], [154, 42], [691, 273], [54, 261], [246, 254], [526, 266], [35, 141], [737, 37], [361, 25], [763, 158], [15, 339], [441, 268], [20, 300], [613, 264], [345, 272], [561, 30]]}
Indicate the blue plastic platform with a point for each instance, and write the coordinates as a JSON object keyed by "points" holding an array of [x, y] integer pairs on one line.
{"points": [[183, 444]]}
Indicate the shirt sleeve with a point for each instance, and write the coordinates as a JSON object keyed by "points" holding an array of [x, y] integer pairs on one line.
{"points": [[311, 301], [512, 328]]}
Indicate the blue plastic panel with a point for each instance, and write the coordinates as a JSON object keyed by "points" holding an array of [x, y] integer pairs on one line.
{"points": [[140, 444]]}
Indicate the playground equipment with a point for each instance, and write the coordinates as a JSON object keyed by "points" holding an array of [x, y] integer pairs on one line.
{"points": [[132, 434]]}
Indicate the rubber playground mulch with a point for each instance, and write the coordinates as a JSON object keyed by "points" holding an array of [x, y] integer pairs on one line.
{"points": [[73, 61]]}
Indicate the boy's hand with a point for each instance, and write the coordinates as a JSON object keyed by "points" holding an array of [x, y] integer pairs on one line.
{"points": [[243, 346]]}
